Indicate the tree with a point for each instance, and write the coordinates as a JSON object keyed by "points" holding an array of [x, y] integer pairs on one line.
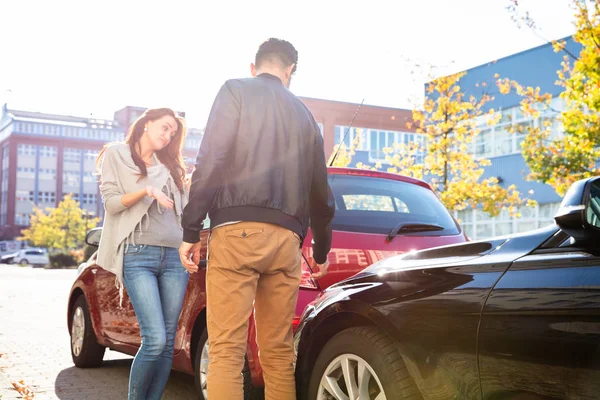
{"points": [[63, 227], [342, 155], [560, 160], [448, 123]]}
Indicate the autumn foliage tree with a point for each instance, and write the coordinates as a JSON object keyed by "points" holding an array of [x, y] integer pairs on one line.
{"points": [[63, 227], [342, 154], [560, 160], [448, 125]]}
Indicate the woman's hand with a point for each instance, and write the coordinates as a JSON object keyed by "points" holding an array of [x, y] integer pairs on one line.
{"points": [[160, 197]]}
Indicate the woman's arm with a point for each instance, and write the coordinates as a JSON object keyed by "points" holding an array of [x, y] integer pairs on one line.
{"points": [[115, 200], [109, 185], [130, 199]]}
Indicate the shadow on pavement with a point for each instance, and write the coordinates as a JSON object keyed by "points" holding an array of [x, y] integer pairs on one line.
{"points": [[110, 381]]}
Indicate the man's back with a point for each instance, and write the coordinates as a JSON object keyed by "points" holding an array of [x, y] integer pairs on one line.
{"points": [[271, 155], [261, 173]]}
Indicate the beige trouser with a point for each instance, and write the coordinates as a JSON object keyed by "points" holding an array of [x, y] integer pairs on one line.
{"points": [[251, 262]]}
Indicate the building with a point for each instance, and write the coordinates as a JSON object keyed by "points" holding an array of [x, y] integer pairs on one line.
{"points": [[535, 67], [383, 126], [379, 127], [45, 156]]}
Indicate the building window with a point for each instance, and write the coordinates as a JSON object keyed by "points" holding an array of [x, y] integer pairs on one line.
{"points": [[375, 141], [26, 150], [47, 197], [71, 178], [22, 195], [479, 225], [72, 155], [91, 155], [498, 140], [88, 177], [484, 143], [25, 172], [546, 214], [89, 198], [22, 219], [47, 151], [47, 174]]}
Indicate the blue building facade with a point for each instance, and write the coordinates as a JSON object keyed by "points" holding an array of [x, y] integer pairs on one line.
{"points": [[535, 67]]}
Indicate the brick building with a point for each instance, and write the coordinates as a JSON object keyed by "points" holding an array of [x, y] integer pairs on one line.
{"points": [[45, 156]]}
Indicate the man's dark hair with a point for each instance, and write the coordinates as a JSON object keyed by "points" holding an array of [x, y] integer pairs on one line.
{"points": [[277, 50]]}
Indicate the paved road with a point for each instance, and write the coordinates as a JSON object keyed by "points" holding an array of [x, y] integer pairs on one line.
{"points": [[34, 344]]}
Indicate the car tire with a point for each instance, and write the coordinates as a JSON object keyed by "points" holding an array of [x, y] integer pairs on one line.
{"points": [[85, 350], [23, 262], [201, 368], [371, 348]]}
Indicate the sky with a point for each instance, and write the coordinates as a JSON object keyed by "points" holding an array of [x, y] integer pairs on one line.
{"points": [[91, 58]]}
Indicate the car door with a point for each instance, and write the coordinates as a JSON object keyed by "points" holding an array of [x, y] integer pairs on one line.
{"points": [[540, 328], [194, 301], [118, 323], [35, 256]]}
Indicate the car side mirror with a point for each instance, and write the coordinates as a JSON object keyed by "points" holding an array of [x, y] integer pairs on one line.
{"points": [[93, 237], [579, 212]]}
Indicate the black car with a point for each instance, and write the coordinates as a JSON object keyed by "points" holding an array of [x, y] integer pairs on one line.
{"points": [[516, 317]]}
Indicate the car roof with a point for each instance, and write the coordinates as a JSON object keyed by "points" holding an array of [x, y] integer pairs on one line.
{"points": [[376, 174]]}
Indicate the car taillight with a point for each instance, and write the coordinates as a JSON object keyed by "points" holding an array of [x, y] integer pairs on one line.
{"points": [[306, 281]]}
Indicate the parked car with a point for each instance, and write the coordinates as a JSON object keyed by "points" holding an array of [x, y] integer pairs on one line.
{"points": [[514, 317], [377, 215], [30, 256], [8, 258]]}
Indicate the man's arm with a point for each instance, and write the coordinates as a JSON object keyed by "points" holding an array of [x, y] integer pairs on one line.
{"points": [[322, 204], [218, 139]]}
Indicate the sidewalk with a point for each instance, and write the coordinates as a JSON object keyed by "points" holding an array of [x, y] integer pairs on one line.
{"points": [[35, 344]]}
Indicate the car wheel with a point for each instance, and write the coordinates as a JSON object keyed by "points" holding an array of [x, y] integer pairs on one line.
{"points": [[85, 350], [361, 362], [24, 262], [201, 373]]}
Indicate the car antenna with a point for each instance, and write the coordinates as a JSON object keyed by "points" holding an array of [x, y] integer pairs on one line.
{"points": [[346, 134]]}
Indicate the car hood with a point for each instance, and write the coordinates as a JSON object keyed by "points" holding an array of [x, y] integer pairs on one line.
{"points": [[509, 247]]}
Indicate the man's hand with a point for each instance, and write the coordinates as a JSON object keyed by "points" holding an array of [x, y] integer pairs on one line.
{"points": [[189, 253], [319, 270]]}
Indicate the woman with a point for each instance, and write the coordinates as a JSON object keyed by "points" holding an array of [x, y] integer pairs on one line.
{"points": [[144, 190]]}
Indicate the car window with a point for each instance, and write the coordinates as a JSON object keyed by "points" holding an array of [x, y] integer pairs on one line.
{"points": [[368, 202], [593, 209], [377, 205], [34, 252]]}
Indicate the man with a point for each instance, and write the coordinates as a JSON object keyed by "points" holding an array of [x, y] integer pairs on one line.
{"points": [[261, 173]]}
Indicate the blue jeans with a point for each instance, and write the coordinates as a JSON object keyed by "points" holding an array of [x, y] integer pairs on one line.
{"points": [[155, 281]]}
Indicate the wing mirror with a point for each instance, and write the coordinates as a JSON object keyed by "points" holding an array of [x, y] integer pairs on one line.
{"points": [[93, 237], [579, 212]]}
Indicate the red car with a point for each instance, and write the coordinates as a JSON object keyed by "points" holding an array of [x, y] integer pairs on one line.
{"points": [[378, 215]]}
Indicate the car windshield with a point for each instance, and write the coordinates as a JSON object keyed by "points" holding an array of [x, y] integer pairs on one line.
{"points": [[377, 205]]}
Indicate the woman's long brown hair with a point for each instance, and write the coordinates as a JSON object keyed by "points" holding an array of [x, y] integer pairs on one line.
{"points": [[170, 156]]}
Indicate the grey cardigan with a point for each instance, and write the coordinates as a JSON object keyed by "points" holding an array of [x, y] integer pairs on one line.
{"points": [[119, 175]]}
